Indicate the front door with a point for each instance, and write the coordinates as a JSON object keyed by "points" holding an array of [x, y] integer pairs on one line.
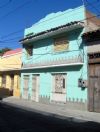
{"points": [[94, 87], [59, 87], [35, 88], [26, 86]]}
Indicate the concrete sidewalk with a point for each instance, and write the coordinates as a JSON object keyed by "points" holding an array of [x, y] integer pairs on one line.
{"points": [[60, 111]]}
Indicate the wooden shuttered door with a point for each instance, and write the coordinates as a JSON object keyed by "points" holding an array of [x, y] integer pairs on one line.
{"points": [[26, 86], [34, 86], [61, 44], [94, 88]]}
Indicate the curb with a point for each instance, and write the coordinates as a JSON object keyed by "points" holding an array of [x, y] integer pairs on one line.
{"points": [[52, 114]]}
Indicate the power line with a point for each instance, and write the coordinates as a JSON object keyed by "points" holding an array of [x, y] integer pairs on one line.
{"points": [[10, 34], [92, 6], [38, 23], [24, 28], [21, 6], [13, 38], [16, 39], [60, 15], [4, 5], [48, 20], [88, 18]]}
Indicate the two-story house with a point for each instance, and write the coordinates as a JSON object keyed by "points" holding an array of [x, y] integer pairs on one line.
{"points": [[55, 59]]}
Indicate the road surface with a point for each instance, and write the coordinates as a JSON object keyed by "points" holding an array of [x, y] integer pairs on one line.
{"points": [[14, 119]]}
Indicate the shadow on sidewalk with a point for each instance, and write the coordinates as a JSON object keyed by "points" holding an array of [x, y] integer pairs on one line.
{"points": [[20, 120], [4, 92]]}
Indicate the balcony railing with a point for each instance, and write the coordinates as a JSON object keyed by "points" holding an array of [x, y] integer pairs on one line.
{"points": [[61, 61]]}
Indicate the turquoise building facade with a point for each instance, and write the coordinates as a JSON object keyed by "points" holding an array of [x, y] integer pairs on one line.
{"points": [[55, 60]]}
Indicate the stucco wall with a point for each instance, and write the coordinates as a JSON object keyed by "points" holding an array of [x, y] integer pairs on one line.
{"points": [[10, 62], [73, 92], [44, 49]]}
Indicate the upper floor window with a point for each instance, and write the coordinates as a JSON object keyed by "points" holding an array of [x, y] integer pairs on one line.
{"points": [[29, 51], [61, 44]]}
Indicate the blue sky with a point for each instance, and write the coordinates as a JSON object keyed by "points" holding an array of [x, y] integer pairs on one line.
{"points": [[16, 15]]}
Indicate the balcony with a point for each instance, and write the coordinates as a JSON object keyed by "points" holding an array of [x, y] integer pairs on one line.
{"points": [[65, 60]]}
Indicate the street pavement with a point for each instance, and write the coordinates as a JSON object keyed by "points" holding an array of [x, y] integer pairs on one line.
{"points": [[15, 119], [57, 110]]}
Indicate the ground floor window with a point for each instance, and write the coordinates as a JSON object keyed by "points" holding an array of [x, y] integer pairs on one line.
{"points": [[59, 82]]}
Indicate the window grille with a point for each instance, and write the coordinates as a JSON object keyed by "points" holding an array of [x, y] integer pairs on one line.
{"points": [[59, 83]]}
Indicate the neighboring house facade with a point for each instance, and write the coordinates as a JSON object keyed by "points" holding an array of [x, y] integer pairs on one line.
{"points": [[55, 59], [10, 65], [92, 40]]}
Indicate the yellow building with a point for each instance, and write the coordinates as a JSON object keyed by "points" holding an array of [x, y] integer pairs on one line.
{"points": [[10, 65]]}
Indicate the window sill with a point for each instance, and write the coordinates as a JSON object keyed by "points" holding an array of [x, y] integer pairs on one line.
{"points": [[59, 52], [59, 92]]}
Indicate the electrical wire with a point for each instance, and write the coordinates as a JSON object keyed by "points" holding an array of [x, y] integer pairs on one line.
{"points": [[90, 17], [19, 7], [20, 30], [6, 40], [89, 3], [12, 33], [59, 15], [4, 5]]}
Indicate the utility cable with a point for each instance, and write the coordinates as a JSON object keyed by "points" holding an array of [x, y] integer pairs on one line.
{"points": [[4, 5], [20, 30], [19, 7]]}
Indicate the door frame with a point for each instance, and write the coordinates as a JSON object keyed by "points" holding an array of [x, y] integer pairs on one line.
{"points": [[37, 87]]}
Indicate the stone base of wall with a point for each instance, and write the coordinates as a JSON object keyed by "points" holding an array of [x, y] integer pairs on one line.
{"points": [[57, 97], [75, 105], [44, 99]]}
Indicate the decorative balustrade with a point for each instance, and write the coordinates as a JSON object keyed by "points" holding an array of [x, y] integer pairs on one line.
{"points": [[56, 62]]}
